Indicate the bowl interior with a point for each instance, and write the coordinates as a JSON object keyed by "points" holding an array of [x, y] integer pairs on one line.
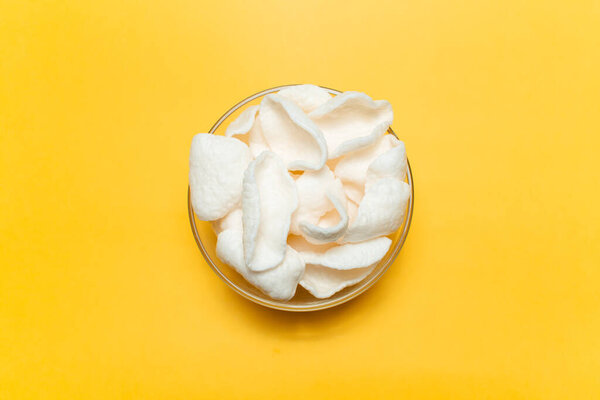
{"points": [[302, 301]]}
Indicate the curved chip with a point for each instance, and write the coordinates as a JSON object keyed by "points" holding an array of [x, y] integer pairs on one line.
{"points": [[350, 256], [256, 140], [291, 134], [352, 168], [279, 283], [352, 211], [325, 234], [217, 167], [332, 217], [312, 187], [300, 244], [323, 282], [268, 200], [336, 268], [354, 192], [233, 220], [307, 97], [392, 164], [243, 123], [247, 123], [352, 120], [381, 210]]}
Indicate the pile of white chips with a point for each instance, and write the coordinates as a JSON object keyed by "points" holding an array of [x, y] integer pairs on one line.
{"points": [[309, 192]]}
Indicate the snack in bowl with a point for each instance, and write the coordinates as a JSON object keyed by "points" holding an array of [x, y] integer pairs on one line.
{"points": [[303, 189]]}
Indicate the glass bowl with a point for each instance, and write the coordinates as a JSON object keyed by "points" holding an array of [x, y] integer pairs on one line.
{"points": [[302, 301]]}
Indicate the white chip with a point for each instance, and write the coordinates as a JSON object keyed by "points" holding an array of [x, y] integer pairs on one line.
{"points": [[391, 164], [243, 123], [323, 282], [316, 233], [300, 244], [350, 256], [384, 158], [256, 140], [352, 210], [307, 97], [291, 134], [381, 210], [354, 192], [312, 200], [331, 270], [233, 220], [332, 218], [268, 200], [279, 283], [352, 120], [352, 168], [217, 167], [247, 123]]}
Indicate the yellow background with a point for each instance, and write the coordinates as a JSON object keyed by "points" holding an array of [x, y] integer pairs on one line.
{"points": [[104, 295]]}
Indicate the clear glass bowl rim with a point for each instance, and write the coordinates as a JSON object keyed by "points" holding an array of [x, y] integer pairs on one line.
{"points": [[280, 305]]}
